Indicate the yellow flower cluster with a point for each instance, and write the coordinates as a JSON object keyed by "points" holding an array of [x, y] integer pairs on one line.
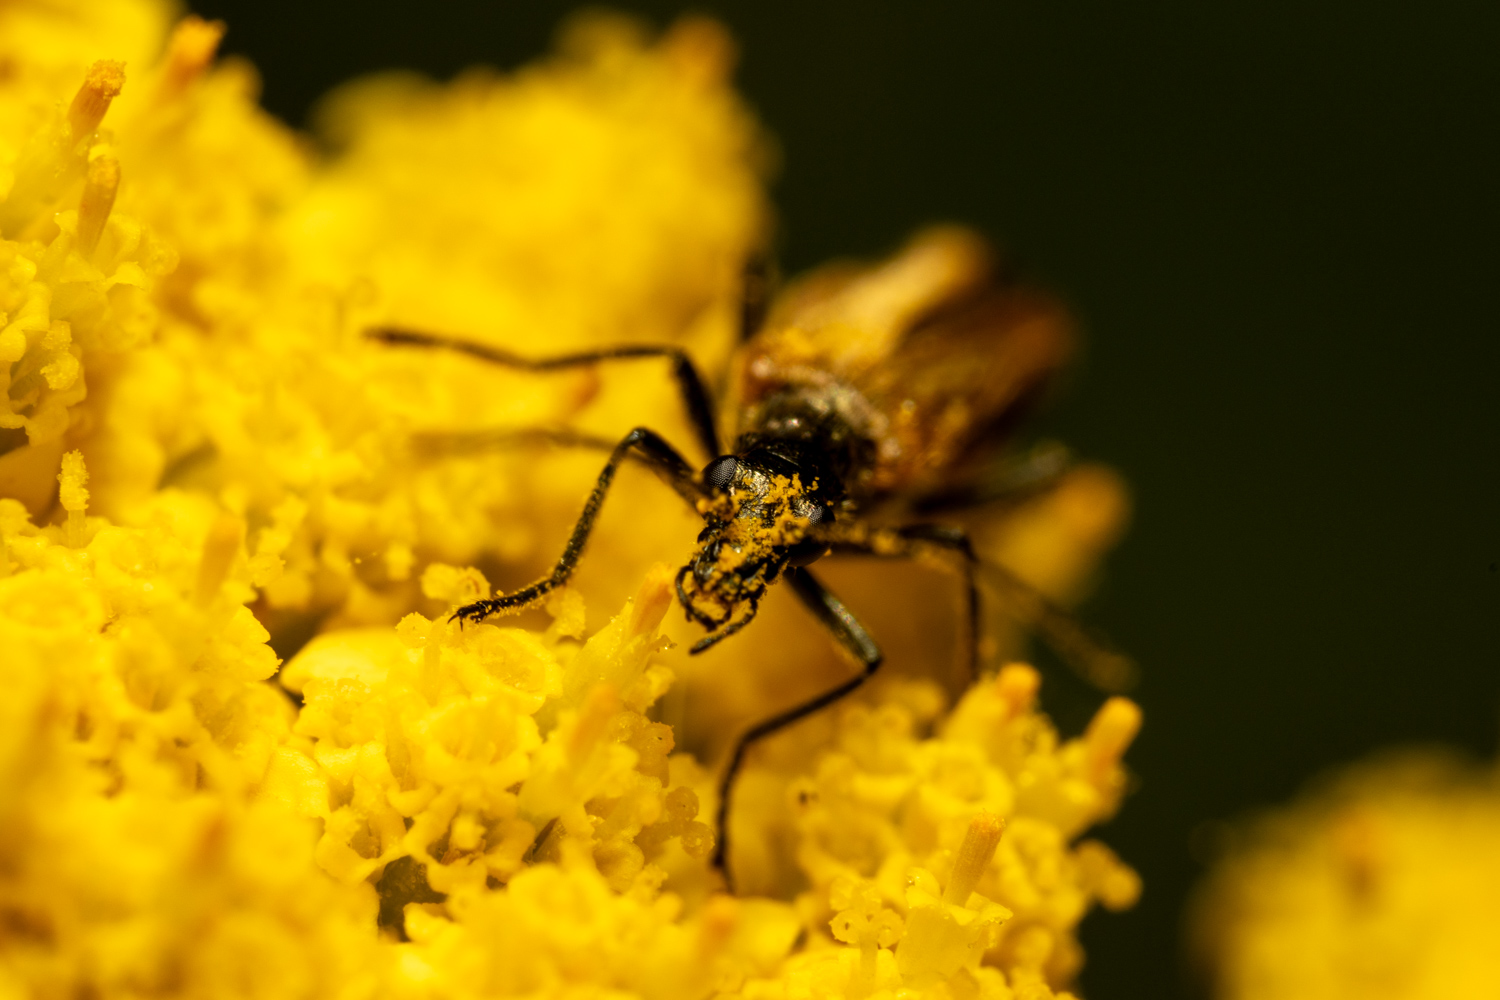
{"points": [[454, 761], [451, 208], [135, 727], [223, 466], [526, 820], [72, 281], [1384, 884], [900, 839]]}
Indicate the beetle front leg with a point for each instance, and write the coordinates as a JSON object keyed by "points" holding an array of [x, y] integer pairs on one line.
{"points": [[643, 444]]}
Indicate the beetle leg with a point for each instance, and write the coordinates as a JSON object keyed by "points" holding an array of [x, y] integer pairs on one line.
{"points": [[689, 382], [851, 635], [642, 444], [908, 543], [442, 444], [1091, 658]]}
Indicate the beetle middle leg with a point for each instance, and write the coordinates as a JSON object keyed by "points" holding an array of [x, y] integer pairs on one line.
{"points": [[446, 444], [689, 383], [642, 444], [1090, 657], [909, 542]]}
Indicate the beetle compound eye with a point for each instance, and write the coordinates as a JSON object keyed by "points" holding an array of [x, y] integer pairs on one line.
{"points": [[720, 472], [814, 513]]}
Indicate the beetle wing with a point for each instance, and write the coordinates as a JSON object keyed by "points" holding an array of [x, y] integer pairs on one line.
{"points": [[926, 354]]}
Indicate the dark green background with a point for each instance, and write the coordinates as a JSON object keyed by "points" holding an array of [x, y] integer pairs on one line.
{"points": [[1278, 222]]}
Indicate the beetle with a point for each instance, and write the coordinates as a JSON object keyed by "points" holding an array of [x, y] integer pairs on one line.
{"points": [[863, 397]]}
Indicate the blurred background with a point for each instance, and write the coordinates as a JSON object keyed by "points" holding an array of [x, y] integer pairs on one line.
{"points": [[1278, 224]]}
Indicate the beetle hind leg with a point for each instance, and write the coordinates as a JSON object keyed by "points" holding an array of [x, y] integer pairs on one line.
{"points": [[853, 638]]}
